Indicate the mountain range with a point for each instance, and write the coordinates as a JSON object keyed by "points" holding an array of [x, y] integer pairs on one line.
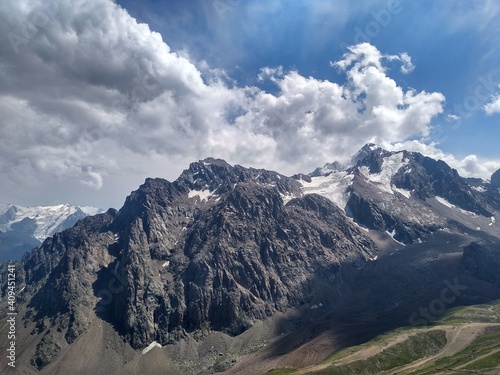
{"points": [[241, 270]]}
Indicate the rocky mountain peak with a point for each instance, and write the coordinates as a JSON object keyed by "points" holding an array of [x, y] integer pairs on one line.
{"points": [[367, 149], [382, 185], [430, 178], [217, 177], [327, 168], [423, 176], [371, 157], [9, 214]]}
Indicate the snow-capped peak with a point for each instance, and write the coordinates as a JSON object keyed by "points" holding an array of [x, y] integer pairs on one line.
{"points": [[46, 220], [375, 164]]}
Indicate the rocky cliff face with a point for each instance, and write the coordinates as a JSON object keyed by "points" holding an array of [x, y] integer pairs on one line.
{"points": [[388, 192], [430, 178], [217, 249], [58, 279]]}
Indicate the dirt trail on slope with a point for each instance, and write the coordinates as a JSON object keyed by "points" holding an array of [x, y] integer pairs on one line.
{"points": [[362, 354], [478, 358], [458, 338]]}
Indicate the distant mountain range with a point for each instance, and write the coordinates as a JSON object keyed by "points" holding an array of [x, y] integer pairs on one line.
{"points": [[23, 228], [241, 270]]}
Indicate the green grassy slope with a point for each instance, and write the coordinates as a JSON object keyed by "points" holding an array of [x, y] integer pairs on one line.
{"points": [[481, 356]]}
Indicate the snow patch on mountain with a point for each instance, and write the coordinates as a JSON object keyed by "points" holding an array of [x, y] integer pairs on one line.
{"points": [[332, 186], [287, 197], [390, 166], [480, 189], [328, 168], [91, 211], [403, 192], [151, 346], [444, 202], [203, 195], [393, 235]]}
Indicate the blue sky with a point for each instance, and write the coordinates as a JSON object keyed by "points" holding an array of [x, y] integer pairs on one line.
{"points": [[96, 95], [452, 43]]}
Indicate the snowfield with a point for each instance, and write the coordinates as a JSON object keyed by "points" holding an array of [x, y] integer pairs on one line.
{"points": [[390, 166], [332, 186], [203, 195]]}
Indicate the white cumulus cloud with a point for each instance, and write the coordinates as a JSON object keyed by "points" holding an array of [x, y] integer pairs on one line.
{"points": [[92, 99], [408, 65], [493, 106]]}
